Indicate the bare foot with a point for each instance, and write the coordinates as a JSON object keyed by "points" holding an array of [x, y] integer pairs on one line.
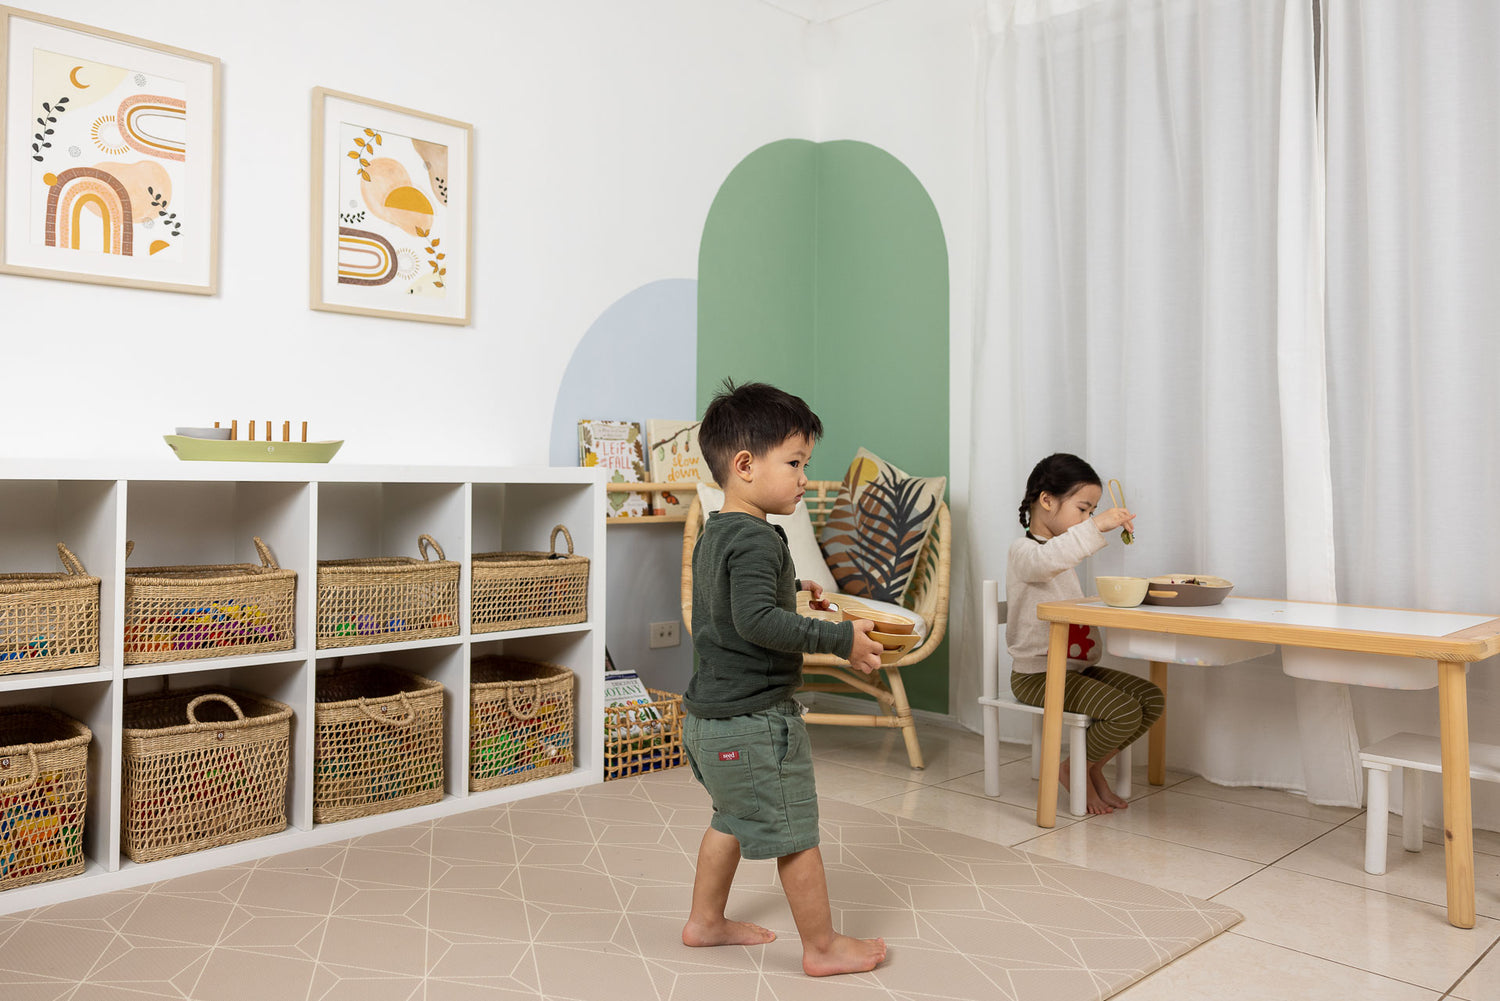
{"points": [[1101, 786], [1095, 802], [726, 932], [843, 955]]}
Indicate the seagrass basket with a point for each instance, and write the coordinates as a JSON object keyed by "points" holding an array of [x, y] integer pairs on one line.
{"points": [[204, 767], [44, 759], [187, 612], [635, 742], [49, 621], [525, 589], [387, 599], [379, 742], [520, 721]]}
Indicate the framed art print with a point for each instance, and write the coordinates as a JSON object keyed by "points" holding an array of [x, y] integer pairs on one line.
{"points": [[391, 214], [109, 157]]}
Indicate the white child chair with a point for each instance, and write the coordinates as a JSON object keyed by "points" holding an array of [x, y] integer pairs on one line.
{"points": [[992, 616], [1411, 754]]}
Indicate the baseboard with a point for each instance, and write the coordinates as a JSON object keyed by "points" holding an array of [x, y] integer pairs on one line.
{"points": [[850, 704]]}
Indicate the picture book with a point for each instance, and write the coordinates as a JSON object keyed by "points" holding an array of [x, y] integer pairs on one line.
{"points": [[674, 456], [628, 712], [616, 446]]}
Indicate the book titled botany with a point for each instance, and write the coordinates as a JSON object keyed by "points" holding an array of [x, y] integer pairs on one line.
{"points": [[616, 446], [629, 712], [673, 453]]}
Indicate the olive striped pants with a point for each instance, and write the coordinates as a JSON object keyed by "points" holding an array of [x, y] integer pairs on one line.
{"points": [[1122, 706]]}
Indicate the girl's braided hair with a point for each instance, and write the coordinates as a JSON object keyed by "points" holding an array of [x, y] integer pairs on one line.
{"points": [[1059, 474]]}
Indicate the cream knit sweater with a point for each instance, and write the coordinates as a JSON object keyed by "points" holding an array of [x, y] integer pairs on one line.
{"points": [[1043, 571]]}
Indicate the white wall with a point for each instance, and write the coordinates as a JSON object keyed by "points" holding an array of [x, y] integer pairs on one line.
{"points": [[602, 132], [904, 76]]}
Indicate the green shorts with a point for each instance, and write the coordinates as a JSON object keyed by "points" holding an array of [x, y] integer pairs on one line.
{"points": [[758, 769]]}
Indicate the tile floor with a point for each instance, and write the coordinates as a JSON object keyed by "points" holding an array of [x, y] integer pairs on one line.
{"points": [[1315, 926]]}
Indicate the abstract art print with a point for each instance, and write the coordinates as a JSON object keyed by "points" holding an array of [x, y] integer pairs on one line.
{"points": [[391, 231], [109, 162]]}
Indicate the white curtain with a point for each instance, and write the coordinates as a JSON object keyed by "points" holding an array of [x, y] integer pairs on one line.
{"points": [[1413, 278], [1152, 302]]}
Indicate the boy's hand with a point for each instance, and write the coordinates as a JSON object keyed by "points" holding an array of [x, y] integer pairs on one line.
{"points": [[865, 653], [819, 602], [1115, 517]]}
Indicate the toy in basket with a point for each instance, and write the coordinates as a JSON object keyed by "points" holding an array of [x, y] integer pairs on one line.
{"points": [[379, 742], [49, 621], [203, 767], [642, 728], [43, 795], [520, 721], [187, 612], [524, 589], [387, 599]]}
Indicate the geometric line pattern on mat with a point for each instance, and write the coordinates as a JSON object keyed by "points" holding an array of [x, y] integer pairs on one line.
{"points": [[582, 895]]}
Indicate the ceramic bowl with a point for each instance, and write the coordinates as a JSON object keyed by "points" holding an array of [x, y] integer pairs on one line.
{"points": [[883, 622], [222, 434], [1187, 589], [1122, 592]]}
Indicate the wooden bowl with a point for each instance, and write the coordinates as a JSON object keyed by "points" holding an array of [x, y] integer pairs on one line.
{"points": [[883, 622], [1187, 589]]}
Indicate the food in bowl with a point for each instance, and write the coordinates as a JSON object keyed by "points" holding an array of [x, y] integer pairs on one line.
{"points": [[1122, 592], [1184, 590]]}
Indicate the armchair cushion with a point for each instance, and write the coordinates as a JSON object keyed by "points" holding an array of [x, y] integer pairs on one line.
{"points": [[806, 556], [878, 528]]}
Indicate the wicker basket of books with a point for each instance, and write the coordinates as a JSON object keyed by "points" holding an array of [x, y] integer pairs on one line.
{"points": [[642, 728], [387, 599], [525, 589], [187, 612], [49, 621], [43, 795], [204, 767], [520, 721], [379, 742]]}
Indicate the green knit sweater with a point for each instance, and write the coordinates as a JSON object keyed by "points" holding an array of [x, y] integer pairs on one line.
{"points": [[747, 635]]}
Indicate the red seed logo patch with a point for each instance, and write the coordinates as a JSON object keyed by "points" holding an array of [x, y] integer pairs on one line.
{"points": [[729, 755]]}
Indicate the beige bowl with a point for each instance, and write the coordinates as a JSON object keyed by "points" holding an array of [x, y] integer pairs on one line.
{"points": [[1122, 592], [884, 623]]}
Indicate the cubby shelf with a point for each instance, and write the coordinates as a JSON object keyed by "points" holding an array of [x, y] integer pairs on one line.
{"points": [[209, 513]]}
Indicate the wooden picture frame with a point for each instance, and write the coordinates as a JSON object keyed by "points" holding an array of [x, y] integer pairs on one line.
{"points": [[109, 157], [392, 216]]}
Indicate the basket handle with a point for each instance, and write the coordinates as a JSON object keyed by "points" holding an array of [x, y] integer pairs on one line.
{"points": [[129, 547], [567, 535], [536, 703], [411, 713], [70, 563], [214, 697], [266, 559], [423, 541], [27, 782]]}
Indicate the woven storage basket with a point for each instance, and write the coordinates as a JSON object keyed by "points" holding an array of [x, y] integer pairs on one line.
{"points": [[387, 599], [520, 721], [379, 744], [187, 612], [633, 745], [43, 795], [49, 621], [526, 589], [203, 767]]}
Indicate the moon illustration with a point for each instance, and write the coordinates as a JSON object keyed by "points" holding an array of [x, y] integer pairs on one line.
{"points": [[73, 76]]}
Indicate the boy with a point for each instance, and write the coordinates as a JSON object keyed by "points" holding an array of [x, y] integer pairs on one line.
{"points": [[744, 734]]}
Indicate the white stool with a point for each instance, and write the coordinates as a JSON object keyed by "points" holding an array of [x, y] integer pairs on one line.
{"points": [[991, 704], [1412, 754]]}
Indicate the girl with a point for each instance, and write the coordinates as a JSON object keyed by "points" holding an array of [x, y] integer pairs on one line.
{"points": [[1062, 494]]}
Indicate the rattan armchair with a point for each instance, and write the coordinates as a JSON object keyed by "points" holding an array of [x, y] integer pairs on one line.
{"points": [[928, 597]]}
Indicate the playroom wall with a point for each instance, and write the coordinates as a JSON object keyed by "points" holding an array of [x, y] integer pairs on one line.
{"points": [[601, 131]]}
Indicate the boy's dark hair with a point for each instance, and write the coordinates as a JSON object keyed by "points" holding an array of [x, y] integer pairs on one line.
{"points": [[755, 418], [1059, 474]]}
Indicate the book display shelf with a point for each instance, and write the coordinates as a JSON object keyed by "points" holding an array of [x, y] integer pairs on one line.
{"points": [[196, 513]]}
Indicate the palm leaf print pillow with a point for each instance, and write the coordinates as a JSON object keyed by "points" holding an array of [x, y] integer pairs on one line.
{"points": [[878, 526]]}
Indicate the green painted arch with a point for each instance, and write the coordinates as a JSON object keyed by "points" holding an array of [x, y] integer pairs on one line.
{"points": [[824, 270]]}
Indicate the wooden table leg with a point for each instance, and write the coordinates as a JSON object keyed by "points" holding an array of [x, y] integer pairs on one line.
{"points": [[1156, 766], [1052, 710], [1458, 816]]}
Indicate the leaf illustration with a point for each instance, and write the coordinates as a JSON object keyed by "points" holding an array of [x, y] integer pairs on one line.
{"points": [[353, 155]]}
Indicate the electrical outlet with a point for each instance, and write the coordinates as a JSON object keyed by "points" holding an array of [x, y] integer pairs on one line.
{"points": [[664, 634]]}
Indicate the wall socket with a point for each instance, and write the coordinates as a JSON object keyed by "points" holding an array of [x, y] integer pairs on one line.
{"points": [[664, 634]]}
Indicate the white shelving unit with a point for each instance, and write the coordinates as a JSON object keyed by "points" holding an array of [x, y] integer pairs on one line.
{"points": [[209, 512]]}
